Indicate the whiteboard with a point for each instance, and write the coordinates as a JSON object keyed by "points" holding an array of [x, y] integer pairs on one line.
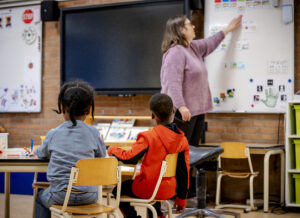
{"points": [[20, 59], [252, 70]]}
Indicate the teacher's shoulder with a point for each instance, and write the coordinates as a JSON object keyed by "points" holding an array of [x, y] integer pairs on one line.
{"points": [[176, 49]]}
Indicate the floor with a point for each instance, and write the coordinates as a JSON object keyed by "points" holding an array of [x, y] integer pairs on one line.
{"points": [[21, 207]]}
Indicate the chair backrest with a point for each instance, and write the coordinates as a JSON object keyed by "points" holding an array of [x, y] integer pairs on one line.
{"points": [[95, 172], [234, 150], [171, 160], [168, 169]]}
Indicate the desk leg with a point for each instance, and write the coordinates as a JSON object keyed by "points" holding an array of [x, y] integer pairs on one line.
{"points": [[266, 177], [282, 177], [7, 193]]}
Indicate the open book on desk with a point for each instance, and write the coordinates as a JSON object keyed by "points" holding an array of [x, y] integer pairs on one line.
{"points": [[123, 136], [103, 129], [135, 131], [117, 134], [123, 123]]}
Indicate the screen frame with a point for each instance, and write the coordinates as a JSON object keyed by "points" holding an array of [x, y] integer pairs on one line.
{"points": [[114, 91]]}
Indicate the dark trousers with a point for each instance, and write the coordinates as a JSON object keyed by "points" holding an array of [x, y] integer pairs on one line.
{"points": [[192, 129], [127, 210]]}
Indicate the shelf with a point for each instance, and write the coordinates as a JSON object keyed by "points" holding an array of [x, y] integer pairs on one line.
{"points": [[123, 117], [89, 120], [292, 205], [293, 171], [293, 136], [290, 135]]}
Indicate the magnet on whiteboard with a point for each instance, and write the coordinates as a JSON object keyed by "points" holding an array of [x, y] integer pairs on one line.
{"points": [[287, 11]]}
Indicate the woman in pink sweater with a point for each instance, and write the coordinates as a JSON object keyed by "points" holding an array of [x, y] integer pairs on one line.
{"points": [[184, 75]]}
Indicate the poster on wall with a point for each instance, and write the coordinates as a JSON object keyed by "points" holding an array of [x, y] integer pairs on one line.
{"points": [[252, 70], [20, 59]]}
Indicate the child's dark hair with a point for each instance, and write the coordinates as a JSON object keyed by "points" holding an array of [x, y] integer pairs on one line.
{"points": [[77, 98], [162, 106]]}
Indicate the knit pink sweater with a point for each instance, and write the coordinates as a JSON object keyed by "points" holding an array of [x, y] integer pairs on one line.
{"points": [[184, 75]]}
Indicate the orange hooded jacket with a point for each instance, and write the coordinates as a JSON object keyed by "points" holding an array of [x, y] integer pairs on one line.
{"points": [[154, 145]]}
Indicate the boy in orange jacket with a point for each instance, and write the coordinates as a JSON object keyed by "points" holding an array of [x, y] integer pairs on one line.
{"points": [[153, 146]]}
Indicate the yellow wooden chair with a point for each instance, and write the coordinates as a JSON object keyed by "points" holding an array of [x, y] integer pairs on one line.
{"points": [[168, 169], [235, 150], [91, 172]]}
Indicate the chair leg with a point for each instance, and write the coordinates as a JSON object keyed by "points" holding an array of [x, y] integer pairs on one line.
{"points": [[108, 203], [114, 214], [251, 192], [169, 208], [154, 214], [34, 202], [149, 206], [218, 194]]}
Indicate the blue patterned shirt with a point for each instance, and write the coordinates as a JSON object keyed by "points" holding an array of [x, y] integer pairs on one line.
{"points": [[64, 146]]}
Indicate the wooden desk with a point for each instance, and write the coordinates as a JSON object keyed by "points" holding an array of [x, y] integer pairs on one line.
{"points": [[18, 164], [28, 164], [267, 150]]}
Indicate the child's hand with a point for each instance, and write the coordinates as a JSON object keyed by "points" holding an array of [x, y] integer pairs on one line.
{"points": [[179, 209]]}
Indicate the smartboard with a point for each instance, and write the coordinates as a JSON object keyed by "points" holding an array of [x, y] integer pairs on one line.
{"points": [[20, 59], [252, 70]]}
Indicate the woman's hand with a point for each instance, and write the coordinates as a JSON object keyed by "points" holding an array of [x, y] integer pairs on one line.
{"points": [[185, 113], [234, 24]]}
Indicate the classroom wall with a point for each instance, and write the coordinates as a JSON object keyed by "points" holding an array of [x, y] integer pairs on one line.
{"points": [[255, 128], [260, 128]]}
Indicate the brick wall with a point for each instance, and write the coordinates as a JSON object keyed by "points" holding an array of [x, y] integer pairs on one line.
{"points": [[259, 128]]}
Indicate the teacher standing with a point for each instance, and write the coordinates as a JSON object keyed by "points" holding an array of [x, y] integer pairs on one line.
{"points": [[184, 75]]}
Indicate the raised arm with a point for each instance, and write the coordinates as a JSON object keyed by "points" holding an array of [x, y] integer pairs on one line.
{"points": [[206, 46], [234, 24]]}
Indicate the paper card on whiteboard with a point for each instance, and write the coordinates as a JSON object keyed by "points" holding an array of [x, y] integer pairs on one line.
{"points": [[233, 4], [242, 44], [257, 4], [265, 3], [241, 7], [270, 94], [278, 66], [37, 15], [5, 12], [249, 4], [31, 69], [249, 26]]}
